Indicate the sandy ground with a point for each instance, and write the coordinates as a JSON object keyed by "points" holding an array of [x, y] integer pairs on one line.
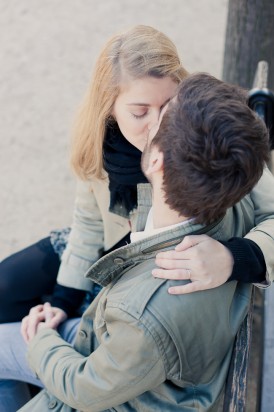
{"points": [[47, 51]]}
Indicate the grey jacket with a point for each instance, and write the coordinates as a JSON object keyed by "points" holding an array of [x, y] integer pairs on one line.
{"points": [[139, 348]]}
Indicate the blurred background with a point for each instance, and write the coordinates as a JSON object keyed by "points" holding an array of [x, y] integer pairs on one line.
{"points": [[47, 52]]}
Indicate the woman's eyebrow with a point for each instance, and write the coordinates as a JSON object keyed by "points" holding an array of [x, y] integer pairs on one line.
{"points": [[138, 104], [147, 104]]}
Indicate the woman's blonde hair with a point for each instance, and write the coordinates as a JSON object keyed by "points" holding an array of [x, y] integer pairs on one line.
{"points": [[139, 52]]}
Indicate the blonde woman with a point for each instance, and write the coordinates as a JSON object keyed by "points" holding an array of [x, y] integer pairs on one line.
{"points": [[101, 219]]}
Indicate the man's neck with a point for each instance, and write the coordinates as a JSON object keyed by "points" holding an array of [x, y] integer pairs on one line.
{"points": [[163, 216]]}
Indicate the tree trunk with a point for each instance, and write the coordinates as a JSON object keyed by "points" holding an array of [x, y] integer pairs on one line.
{"points": [[249, 39]]}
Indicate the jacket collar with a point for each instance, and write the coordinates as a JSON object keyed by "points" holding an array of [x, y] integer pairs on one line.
{"points": [[110, 267]]}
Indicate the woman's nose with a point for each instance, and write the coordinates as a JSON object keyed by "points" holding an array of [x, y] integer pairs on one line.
{"points": [[154, 119], [153, 131]]}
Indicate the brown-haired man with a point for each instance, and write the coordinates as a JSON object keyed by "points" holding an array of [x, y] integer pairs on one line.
{"points": [[208, 138], [139, 348]]}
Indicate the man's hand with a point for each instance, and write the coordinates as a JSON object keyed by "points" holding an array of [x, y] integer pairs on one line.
{"points": [[41, 316], [202, 260]]}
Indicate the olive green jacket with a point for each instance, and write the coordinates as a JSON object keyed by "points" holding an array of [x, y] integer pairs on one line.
{"points": [[139, 348]]}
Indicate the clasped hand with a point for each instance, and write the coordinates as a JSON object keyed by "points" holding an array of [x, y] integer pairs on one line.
{"points": [[41, 317]]}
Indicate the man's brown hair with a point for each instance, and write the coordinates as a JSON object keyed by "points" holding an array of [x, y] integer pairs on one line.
{"points": [[215, 148]]}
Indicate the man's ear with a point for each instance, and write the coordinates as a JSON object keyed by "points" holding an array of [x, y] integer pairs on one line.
{"points": [[156, 161]]}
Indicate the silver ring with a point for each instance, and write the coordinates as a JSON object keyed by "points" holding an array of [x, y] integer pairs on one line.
{"points": [[189, 273]]}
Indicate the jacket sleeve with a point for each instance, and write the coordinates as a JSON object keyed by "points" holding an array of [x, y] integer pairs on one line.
{"points": [[249, 264], [263, 233], [126, 363], [86, 240]]}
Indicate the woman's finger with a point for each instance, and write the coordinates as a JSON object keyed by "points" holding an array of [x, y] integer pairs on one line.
{"points": [[191, 241], [187, 288], [174, 274], [170, 263]]}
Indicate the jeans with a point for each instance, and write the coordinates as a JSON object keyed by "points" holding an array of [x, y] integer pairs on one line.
{"points": [[14, 370]]}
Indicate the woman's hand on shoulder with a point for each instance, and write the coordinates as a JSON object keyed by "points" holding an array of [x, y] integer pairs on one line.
{"points": [[204, 261], [41, 317]]}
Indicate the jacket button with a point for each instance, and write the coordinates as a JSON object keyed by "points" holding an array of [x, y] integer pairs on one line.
{"points": [[118, 261], [52, 404], [83, 334]]}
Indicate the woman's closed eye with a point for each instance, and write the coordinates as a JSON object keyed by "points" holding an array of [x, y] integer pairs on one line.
{"points": [[139, 116]]}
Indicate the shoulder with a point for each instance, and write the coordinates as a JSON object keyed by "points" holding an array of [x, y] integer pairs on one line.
{"points": [[183, 327]]}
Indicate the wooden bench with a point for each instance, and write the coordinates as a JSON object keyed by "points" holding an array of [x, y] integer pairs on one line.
{"points": [[236, 384]]}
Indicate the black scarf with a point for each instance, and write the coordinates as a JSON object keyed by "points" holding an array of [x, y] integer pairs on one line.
{"points": [[122, 161]]}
